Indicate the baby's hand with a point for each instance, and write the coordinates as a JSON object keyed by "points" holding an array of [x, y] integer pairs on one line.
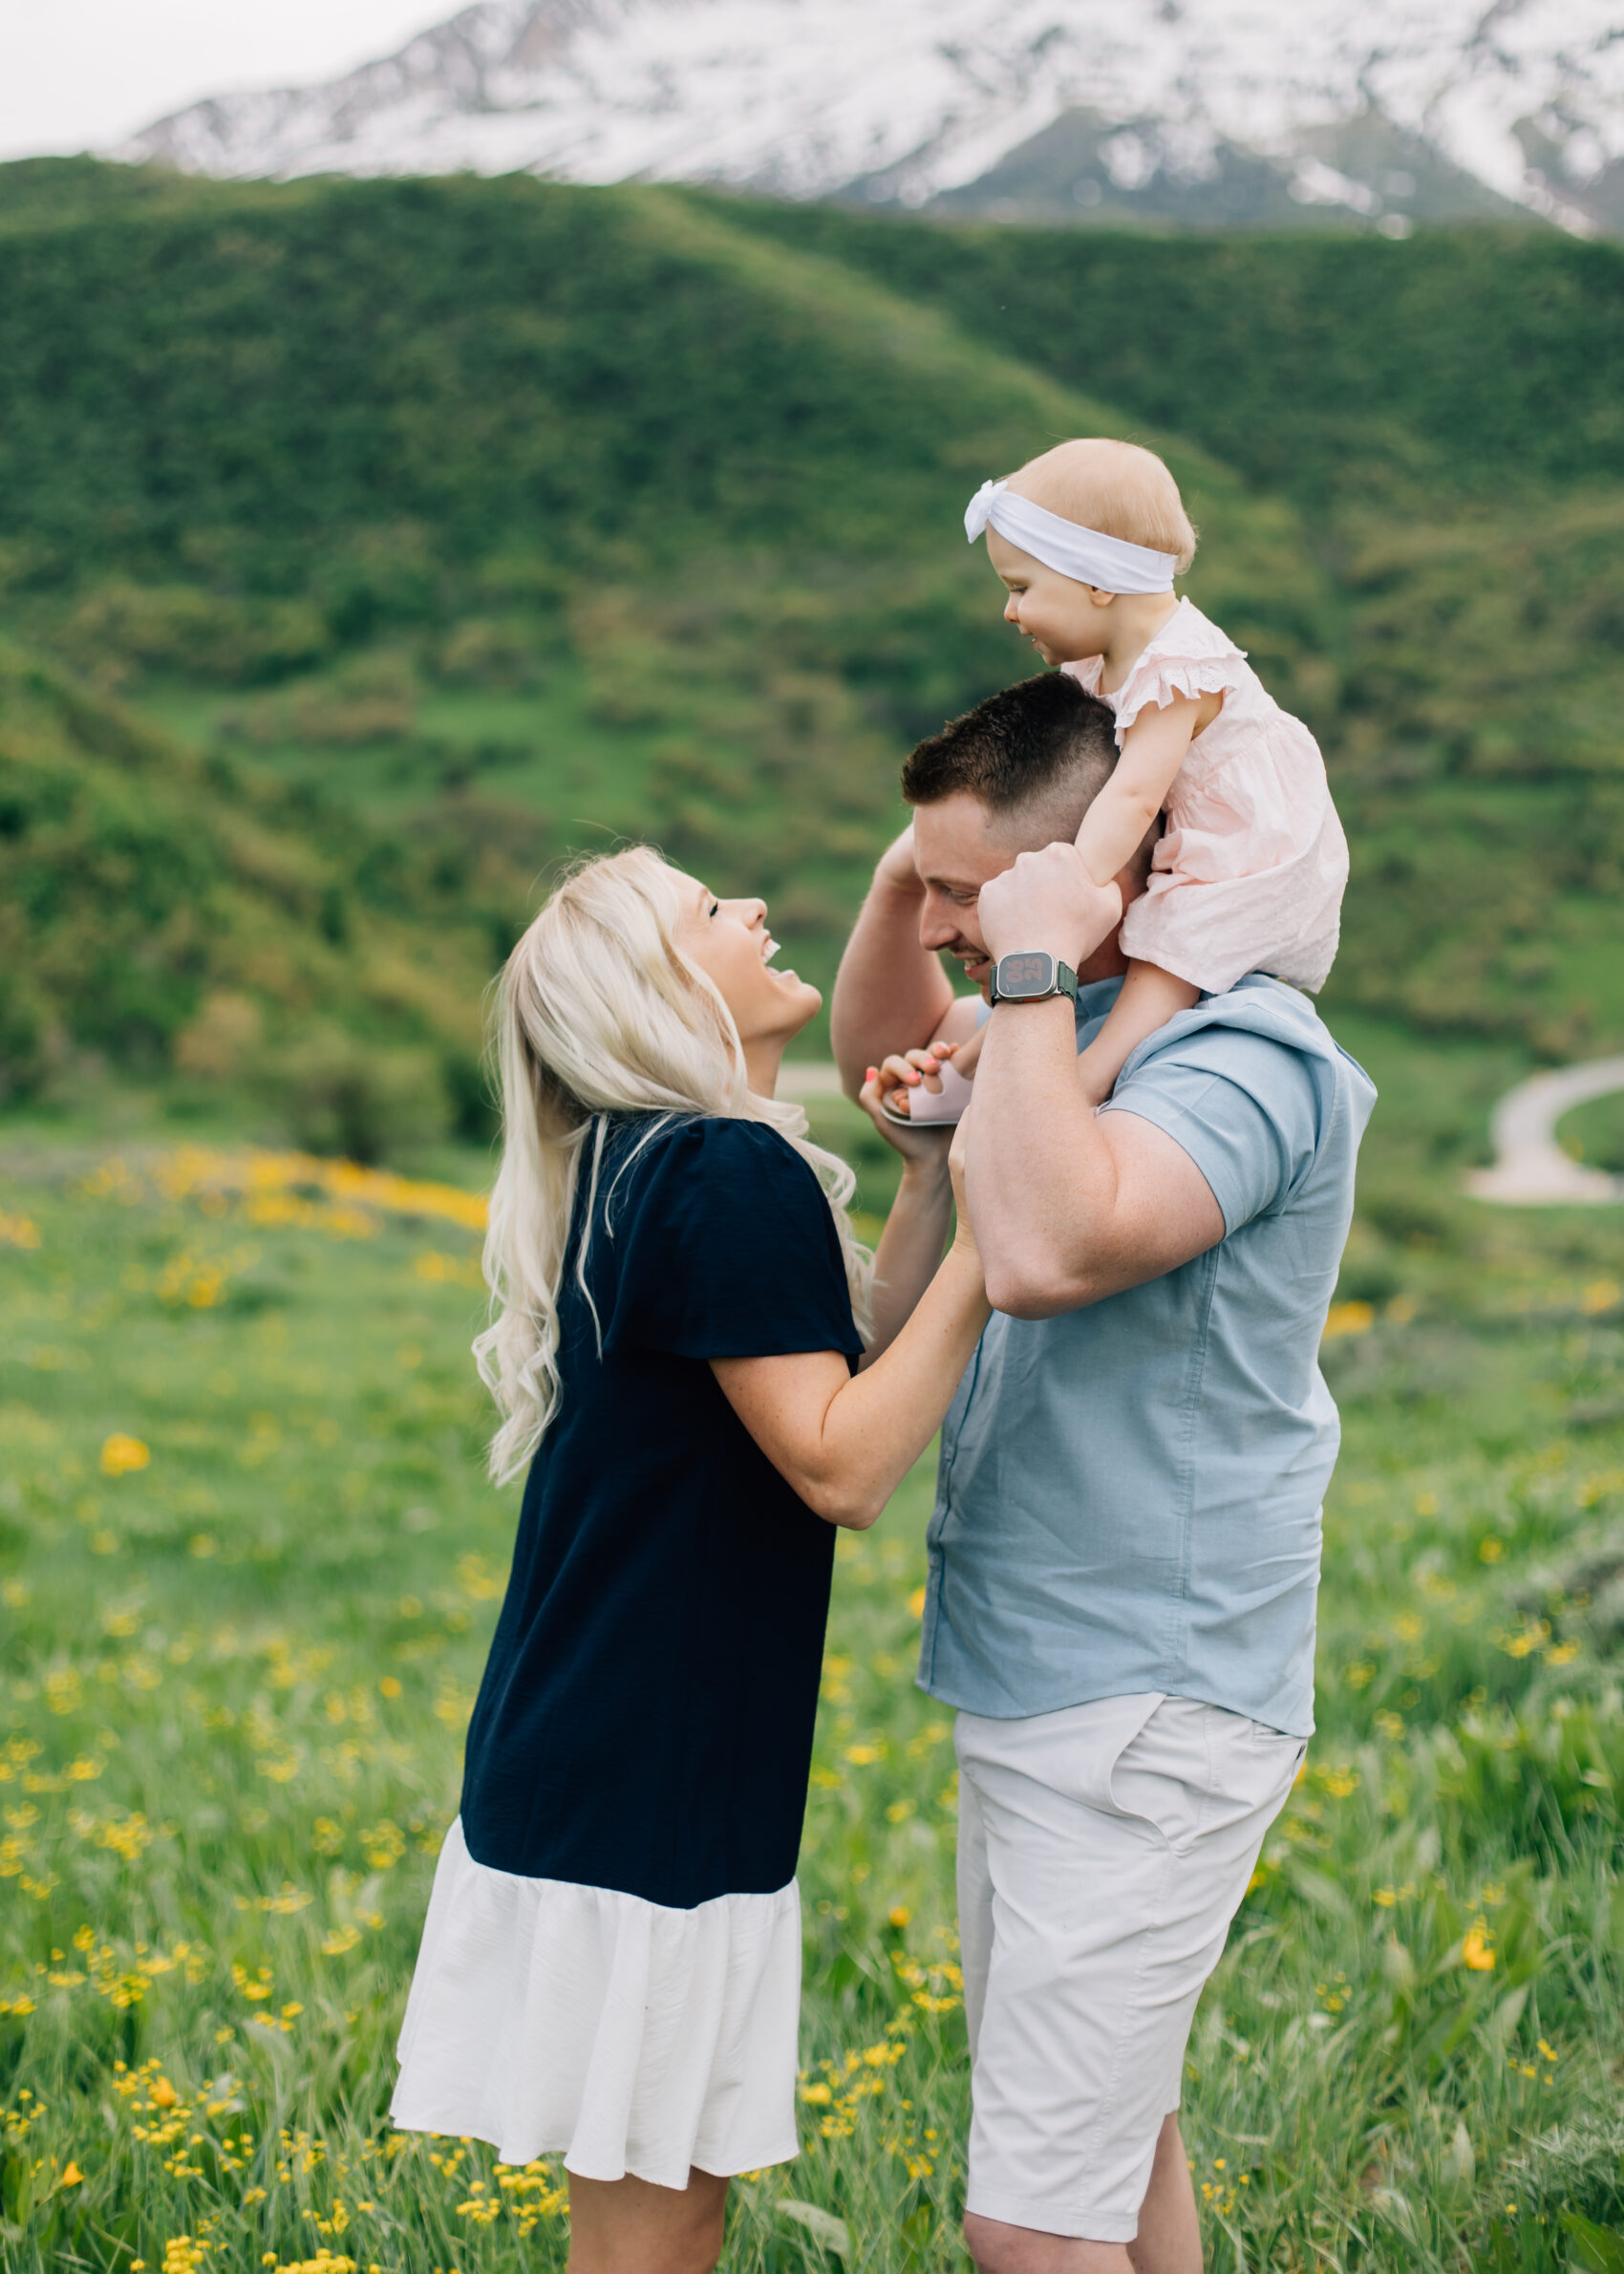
{"points": [[909, 1069], [889, 1089]]}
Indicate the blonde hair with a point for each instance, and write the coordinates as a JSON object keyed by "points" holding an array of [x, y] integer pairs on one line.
{"points": [[598, 1012], [1114, 487]]}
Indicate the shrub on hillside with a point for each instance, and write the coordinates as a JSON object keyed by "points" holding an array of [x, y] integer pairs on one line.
{"points": [[505, 654], [23, 1015], [337, 1095], [120, 629], [222, 1039], [157, 914]]}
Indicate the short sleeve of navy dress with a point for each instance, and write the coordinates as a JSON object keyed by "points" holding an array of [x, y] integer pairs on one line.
{"points": [[644, 1721]]}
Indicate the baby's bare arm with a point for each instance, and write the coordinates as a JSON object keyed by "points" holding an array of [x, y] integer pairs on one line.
{"points": [[1114, 827]]}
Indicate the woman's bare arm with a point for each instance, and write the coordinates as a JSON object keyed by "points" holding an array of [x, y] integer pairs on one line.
{"points": [[845, 1441], [916, 1230], [911, 1246]]}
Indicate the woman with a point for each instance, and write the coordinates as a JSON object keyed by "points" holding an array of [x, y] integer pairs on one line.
{"points": [[610, 1963]]}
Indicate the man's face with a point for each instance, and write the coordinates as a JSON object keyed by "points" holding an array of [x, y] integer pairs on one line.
{"points": [[957, 846], [955, 852]]}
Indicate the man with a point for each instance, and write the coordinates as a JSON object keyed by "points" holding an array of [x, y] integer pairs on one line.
{"points": [[1124, 1551]]}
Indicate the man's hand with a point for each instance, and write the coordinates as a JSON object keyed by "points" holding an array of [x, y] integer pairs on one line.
{"points": [[889, 985], [896, 869], [1047, 901]]}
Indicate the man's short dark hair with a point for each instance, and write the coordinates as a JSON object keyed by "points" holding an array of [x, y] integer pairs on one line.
{"points": [[1043, 743]]}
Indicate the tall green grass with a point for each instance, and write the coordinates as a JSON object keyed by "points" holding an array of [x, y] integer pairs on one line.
{"points": [[249, 1566]]}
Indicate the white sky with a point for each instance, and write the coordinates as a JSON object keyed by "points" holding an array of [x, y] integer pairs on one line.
{"points": [[76, 74]]}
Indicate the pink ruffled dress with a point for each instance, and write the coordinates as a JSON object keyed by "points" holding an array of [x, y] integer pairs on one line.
{"points": [[1251, 870]]}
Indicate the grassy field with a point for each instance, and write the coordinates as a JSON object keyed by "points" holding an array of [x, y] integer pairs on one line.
{"points": [[249, 1565]]}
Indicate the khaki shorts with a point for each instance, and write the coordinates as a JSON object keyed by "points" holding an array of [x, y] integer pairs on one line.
{"points": [[1102, 1852]]}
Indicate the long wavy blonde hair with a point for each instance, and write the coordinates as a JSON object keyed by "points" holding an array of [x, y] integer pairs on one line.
{"points": [[599, 1012]]}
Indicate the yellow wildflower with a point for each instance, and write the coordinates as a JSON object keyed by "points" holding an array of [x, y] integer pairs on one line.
{"points": [[120, 1454], [1477, 1951]]}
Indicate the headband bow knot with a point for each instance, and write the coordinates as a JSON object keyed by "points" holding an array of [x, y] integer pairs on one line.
{"points": [[1088, 556]]}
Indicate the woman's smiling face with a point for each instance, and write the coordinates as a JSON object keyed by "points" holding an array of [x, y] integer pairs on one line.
{"points": [[730, 942]]}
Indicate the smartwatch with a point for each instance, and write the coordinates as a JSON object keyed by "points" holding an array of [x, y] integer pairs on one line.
{"points": [[1029, 978]]}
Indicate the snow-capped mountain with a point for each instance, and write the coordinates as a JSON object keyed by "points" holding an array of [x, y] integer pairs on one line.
{"points": [[1210, 110]]}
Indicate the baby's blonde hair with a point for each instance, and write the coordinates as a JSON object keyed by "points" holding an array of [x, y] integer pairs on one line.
{"points": [[599, 1012], [1114, 487]]}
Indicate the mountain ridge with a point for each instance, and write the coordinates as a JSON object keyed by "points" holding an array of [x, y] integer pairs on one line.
{"points": [[1190, 111]]}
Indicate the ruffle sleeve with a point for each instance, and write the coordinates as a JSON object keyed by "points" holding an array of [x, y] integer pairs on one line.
{"points": [[1189, 656]]}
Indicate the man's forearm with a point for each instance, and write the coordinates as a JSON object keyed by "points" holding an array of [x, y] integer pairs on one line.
{"points": [[1038, 1174], [891, 993]]}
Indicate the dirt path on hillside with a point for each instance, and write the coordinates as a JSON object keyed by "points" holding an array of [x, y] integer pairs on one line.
{"points": [[1531, 1169]]}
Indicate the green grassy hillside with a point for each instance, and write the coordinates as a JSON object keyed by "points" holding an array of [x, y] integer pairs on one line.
{"points": [[158, 914], [494, 503], [512, 517], [1319, 365]]}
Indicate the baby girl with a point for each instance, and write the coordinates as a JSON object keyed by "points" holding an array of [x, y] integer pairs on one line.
{"points": [[1248, 872]]}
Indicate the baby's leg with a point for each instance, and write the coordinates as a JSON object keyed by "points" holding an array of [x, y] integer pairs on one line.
{"points": [[1149, 998]]}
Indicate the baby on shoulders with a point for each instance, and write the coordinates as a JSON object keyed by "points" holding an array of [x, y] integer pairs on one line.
{"points": [[1250, 868]]}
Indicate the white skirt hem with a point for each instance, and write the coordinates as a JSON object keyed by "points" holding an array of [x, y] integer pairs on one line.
{"points": [[552, 2019]]}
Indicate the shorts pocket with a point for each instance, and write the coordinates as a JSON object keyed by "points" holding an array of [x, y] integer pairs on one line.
{"points": [[1071, 1752], [1162, 1775]]}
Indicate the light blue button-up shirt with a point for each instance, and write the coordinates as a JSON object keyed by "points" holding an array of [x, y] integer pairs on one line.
{"points": [[1129, 1494]]}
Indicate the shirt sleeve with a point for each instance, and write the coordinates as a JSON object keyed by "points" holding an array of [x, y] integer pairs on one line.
{"points": [[1245, 1108], [725, 1248]]}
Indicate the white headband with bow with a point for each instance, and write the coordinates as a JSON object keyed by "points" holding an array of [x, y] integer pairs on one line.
{"points": [[1110, 564]]}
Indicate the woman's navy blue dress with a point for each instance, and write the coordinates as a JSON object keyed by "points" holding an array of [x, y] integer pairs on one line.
{"points": [[645, 1720]]}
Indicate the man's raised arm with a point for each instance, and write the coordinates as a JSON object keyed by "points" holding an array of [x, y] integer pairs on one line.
{"points": [[890, 993], [1069, 1206]]}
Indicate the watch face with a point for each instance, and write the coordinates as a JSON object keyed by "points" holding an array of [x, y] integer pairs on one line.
{"points": [[1026, 974]]}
